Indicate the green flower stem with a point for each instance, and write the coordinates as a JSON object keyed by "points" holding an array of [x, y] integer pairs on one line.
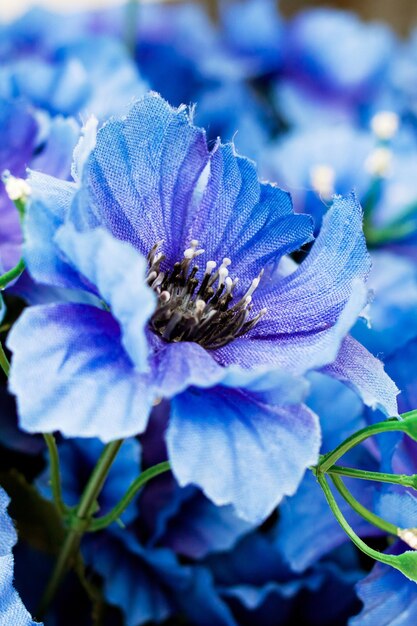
{"points": [[406, 562], [4, 361], [12, 274], [396, 479], [55, 473], [390, 425], [79, 523], [361, 510], [116, 512]]}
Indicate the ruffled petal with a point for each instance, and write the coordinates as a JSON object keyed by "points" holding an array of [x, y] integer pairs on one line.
{"points": [[240, 218], [118, 272], [51, 199], [71, 374], [143, 173], [296, 352], [257, 444], [364, 373], [313, 297]]}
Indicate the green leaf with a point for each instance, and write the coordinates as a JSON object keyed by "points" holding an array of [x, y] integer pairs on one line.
{"points": [[37, 519]]}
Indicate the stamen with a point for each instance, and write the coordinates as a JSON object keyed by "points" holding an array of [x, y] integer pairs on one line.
{"points": [[202, 313]]}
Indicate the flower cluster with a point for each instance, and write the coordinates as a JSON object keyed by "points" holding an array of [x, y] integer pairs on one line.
{"points": [[191, 341]]}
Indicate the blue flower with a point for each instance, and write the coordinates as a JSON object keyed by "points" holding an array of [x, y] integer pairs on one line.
{"points": [[151, 187], [316, 162], [12, 610]]}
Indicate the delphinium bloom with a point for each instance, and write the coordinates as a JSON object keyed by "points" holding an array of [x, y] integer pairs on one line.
{"points": [[12, 610], [229, 351]]}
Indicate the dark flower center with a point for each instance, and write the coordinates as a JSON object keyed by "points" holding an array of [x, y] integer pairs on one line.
{"points": [[199, 309]]}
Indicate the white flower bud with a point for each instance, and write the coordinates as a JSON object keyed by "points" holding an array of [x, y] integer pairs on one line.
{"points": [[322, 179], [385, 125], [17, 188], [379, 162]]}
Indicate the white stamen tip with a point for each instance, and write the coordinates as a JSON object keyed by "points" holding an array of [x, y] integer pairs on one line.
{"points": [[200, 305], [16, 188], [322, 179], [229, 284], [223, 273], [409, 536], [194, 243], [379, 162], [385, 124], [189, 253], [226, 262], [210, 265], [165, 296]]}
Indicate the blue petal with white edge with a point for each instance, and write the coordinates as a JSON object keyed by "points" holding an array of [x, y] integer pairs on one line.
{"points": [[118, 272], [258, 444], [45, 213], [363, 372], [83, 383]]}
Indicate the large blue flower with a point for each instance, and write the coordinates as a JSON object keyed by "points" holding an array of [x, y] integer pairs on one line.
{"points": [[230, 354], [12, 610]]}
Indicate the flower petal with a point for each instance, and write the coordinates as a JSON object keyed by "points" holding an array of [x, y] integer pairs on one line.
{"points": [[51, 199], [250, 443], [362, 371], [12, 610], [389, 598], [118, 272], [296, 352], [70, 373], [313, 297], [143, 173]]}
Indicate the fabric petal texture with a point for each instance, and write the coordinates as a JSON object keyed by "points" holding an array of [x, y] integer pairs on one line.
{"points": [[255, 443], [12, 610], [92, 390], [118, 272]]}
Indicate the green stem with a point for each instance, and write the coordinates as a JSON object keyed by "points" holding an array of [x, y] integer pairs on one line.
{"points": [[361, 510], [12, 274], [395, 479], [4, 361], [116, 512], [80, 523], [378, 556], [55, 473], [330, 458]]}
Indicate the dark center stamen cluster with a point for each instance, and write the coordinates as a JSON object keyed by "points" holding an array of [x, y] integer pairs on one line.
{"points": [[199, 310]]}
